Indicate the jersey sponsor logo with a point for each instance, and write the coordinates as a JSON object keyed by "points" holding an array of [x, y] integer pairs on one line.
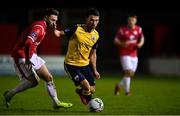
{"points": [[33, 35], [131, 37], [93, 37], [67, 30], [132, 41], [76, 78]]}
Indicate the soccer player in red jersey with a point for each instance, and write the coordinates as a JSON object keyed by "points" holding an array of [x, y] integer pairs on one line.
{"points": [[129, 39], [29, 66]]}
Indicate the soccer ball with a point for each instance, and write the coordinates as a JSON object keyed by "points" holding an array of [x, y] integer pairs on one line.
{"points": [[96, 105]]}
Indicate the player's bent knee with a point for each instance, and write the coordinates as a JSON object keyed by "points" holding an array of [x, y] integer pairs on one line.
{"points": [[92, 89], [35, 83], [129, 73], [86, 90], [49, 77], [132, 74], [33, 79]]}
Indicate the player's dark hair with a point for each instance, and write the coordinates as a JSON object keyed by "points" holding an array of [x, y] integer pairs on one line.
{"points": [[51, 11], [92, 11], [131, 15]]}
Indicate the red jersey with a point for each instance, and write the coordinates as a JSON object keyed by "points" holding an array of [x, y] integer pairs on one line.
{"points": [[35, 33], [131, 36]]}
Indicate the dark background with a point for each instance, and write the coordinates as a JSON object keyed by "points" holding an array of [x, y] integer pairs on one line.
{"points": [[160, 21]]}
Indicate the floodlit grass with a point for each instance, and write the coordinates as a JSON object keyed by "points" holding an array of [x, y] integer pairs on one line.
{"points": [[150, 95]]}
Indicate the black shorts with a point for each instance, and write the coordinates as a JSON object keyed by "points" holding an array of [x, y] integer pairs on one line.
{"points": [[79, 73]]}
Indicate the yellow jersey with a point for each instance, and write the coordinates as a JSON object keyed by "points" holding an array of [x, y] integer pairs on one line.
{"points": [[80, 45]]}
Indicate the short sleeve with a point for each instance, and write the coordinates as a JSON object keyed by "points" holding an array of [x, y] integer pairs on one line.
{"points": [[70, 31], [95, 46], [119, 33], [35, 32], [141, 33]]}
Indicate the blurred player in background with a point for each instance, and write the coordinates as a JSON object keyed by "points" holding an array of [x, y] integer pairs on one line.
{"points": [[29, 66], [129, 39], [80, 60]]}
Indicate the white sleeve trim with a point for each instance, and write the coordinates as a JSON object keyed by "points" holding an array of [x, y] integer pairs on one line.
{"points": [[30, 38]]}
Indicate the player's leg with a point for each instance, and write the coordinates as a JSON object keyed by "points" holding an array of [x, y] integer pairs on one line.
{"points": [[82, 85], [89, 86], [28, 80], [130, 73], [93, 89], [134, 62], [127, 81], [84, 92], [43, 73], [127, 73]]}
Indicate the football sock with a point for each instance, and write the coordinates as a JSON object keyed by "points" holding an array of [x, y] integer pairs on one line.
{"points": [[127, 81], [52, 91], [88, 98], [23, 85], [87, 95], [121, 83]]}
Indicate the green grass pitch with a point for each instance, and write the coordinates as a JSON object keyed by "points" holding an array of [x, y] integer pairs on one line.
{"points": [[159, 95]]}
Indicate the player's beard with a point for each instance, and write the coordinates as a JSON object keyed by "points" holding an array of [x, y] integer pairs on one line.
{"points": [[49, 25]]}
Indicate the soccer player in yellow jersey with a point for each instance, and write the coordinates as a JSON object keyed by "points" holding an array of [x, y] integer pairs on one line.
{"points": [[80, 60]]}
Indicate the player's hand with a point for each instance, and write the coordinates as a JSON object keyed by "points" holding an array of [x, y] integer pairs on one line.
{"points": [[139, 45], [97, 75], [54, 26], [28, 64]]}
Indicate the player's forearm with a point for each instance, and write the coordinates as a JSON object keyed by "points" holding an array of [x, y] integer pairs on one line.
{"points": [[141, 42], [116, 41], [93, 59], [58, 33]]}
